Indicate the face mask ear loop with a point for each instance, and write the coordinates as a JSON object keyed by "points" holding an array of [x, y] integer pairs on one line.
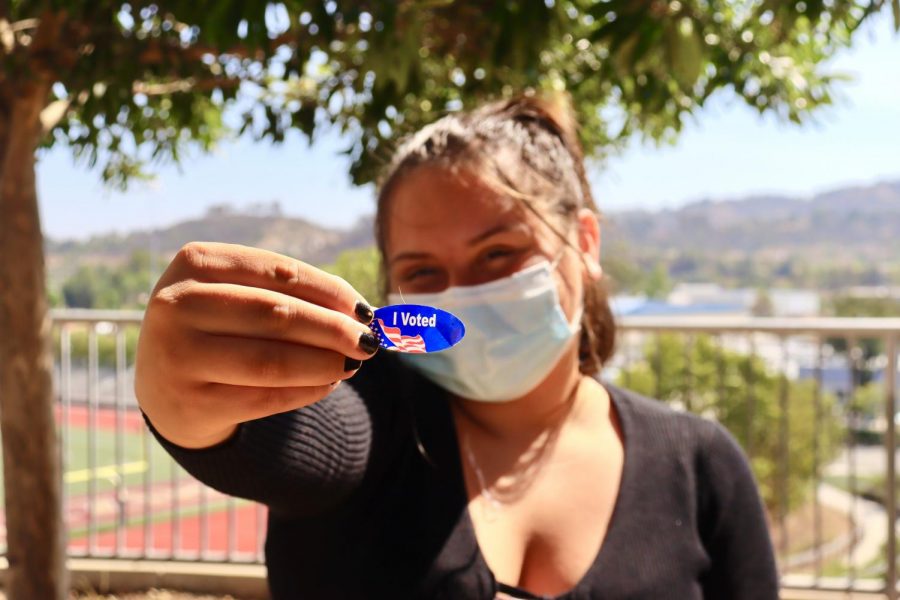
{"points": [[575, 324], [555, 262]]}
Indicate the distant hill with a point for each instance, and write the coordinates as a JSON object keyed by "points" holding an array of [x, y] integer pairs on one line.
{"points": [[262, 227], [858, 222], [845, 237], [848, 236]]}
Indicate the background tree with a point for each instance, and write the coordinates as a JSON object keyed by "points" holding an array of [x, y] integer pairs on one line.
{"points": [[868, 402], [868, 348], [658, 284], [360, 268], [125, 286], [126, 84], [741, 393], [623, 275], [762, 304]]}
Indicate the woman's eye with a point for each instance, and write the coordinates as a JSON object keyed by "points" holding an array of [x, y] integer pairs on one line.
{"points": [[419, 273], [497, 253]]}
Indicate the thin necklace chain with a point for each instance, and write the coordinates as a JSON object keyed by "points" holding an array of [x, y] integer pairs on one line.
{"points": [[494, 503]]}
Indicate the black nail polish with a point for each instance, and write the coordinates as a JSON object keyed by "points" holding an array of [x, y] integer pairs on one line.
{"points": [[364, 312], [368, 342], [352, 364]]}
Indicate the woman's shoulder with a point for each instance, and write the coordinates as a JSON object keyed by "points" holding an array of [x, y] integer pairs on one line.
{"points": [[656, 424], [679, 447]]}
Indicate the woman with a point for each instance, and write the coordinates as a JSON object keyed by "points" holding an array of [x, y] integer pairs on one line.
{"points": [[499, 468]]}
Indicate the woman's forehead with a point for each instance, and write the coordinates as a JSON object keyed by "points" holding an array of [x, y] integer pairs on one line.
{"points": [[431, 185], [430, 203]]}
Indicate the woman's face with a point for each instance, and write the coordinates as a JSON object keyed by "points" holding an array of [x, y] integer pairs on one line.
{"points": [[446, 231]]}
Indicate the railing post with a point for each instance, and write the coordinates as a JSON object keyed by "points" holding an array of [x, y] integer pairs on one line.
{"points": [[890, 442], [65, 351], [93, 401], [121, 493]]}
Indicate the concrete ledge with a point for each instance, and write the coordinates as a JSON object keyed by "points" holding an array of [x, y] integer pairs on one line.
{"points": [[797, 587], [829, 595], [243, 581], [248, 581]]}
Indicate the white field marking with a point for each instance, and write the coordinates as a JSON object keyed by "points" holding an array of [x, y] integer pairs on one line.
{"points": [[107, 472]]}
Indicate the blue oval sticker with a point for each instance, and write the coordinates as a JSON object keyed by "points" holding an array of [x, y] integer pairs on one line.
{"points": [[416, 329]]}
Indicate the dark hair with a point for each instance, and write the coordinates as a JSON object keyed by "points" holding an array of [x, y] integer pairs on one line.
{"points": [[526, 148]]}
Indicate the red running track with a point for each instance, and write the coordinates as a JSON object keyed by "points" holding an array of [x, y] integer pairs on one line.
{"points": [[105, 418], [248, 523], [249, 520]]}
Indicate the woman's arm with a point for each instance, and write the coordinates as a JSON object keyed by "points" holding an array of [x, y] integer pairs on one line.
{"points": [[307, 460], [733, 524]]}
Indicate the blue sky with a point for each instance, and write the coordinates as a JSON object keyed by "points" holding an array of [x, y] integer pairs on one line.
{"points": [[728, 152]]}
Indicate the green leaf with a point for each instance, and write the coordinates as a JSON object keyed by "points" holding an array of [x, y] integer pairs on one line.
{"points": [[685, 52]]}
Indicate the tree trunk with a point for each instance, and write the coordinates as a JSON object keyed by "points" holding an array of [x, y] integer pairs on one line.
{"points": [[31, 470]]}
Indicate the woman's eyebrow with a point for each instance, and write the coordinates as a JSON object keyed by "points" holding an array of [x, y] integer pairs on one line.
{"points": [[408, 256], [501, 228]]}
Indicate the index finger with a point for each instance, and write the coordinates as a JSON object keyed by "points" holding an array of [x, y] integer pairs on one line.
{"points": [[217, 262]]}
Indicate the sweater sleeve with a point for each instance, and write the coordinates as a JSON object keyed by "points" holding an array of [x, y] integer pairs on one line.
{"points": [[304, 461], [733, 524]]}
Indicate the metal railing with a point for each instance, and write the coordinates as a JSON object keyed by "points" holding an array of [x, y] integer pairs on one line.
{"points": [[796, 393], [833, 471], [124, 497]]}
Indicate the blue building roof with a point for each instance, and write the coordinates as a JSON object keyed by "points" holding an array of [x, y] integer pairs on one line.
{"points": [[628, 306]]}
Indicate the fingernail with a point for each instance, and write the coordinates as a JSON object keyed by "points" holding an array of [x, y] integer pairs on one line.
{"points": [[364, 312], [352, 364], [368, 342]]}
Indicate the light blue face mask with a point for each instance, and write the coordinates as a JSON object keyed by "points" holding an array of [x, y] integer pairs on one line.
{"points": [[516, 331]]}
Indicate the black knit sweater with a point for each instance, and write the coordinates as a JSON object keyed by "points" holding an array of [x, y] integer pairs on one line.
{"points": [[367, 500]]}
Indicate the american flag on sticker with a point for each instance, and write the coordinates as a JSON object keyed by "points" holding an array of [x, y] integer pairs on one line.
{"points": [[413, 344], [416, 329]]}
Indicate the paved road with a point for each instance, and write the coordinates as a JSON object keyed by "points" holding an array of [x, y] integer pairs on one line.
{"points": [[869, 460], [870, 520]]}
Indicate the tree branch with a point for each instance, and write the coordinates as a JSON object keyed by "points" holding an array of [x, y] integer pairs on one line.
{"points": [[52, 114], [10, 33], [43, 48], [190, 84], [156, 52], [7, 37], [25, 24]]}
